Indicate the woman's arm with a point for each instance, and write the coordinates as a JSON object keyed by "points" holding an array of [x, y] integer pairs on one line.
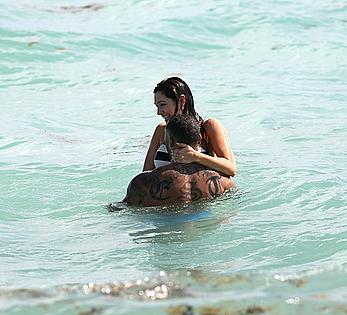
{"points": [[223, 161], [156, 141]]}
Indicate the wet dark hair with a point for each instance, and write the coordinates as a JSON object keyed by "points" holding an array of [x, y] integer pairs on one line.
{"points": [[184, 129], [173, 88]]}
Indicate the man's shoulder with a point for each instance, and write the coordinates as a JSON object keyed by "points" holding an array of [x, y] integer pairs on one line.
{"points": [[204, 174], [147, 177], [176, 170], [188, 169], [184, 170]]}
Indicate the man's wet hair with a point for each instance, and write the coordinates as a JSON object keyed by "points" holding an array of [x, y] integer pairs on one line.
{"points": [[184, 129]]}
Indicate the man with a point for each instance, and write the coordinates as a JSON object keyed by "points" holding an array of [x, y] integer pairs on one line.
{"points": [[177, 182]]}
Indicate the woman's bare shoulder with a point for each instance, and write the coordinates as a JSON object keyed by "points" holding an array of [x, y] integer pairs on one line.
{"points": [[162, 124], [160, 127], [211, 124], [159, 132]]}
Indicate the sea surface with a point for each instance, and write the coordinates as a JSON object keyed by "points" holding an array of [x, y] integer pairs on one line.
{"points": [[76, 118]]}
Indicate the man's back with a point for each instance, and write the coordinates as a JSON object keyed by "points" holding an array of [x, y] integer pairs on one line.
{"points": [[176, 183]]}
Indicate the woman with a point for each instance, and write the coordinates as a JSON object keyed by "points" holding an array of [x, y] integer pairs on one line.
{"points": [[173, 96]]}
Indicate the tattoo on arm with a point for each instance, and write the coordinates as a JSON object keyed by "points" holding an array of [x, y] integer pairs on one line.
{"points": [[214, 186], [159, 188]]}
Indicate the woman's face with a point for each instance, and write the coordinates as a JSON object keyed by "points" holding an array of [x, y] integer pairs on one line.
{"points": [[166, 107]]}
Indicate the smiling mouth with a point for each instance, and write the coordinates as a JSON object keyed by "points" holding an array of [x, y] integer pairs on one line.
{"points": [[166, 118]]}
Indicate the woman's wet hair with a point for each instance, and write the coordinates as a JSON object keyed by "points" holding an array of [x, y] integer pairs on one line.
{"points": [[173, 88], [184, 129]]}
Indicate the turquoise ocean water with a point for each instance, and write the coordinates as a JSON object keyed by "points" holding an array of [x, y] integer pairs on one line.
{"points": [[77, 113]]}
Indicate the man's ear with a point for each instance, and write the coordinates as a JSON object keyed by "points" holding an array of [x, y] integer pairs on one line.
{"points": [[182, 102]]}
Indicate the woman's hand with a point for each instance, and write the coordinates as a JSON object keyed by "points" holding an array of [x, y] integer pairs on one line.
{"points": [[184, 153]]}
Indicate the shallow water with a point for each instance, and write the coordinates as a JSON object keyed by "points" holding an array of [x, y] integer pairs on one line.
{"points": [[77, 113]]}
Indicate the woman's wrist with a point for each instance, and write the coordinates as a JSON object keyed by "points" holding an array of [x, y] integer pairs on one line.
{"points": [[197, 156]]}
